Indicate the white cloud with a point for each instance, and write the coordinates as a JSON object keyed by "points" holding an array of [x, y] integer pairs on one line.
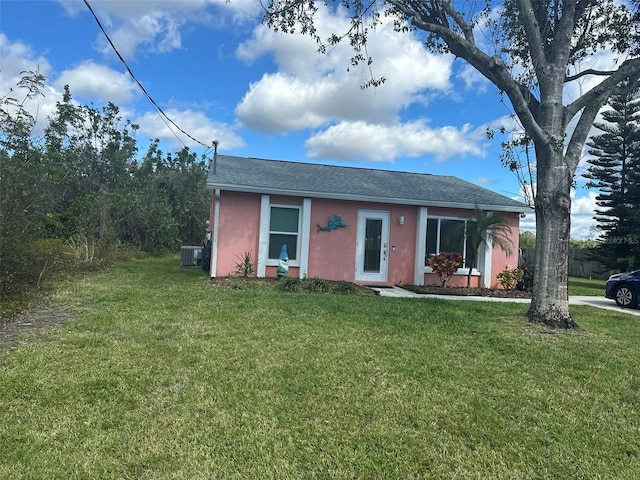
{"points": [[473, 80], [486, 181], [280, 103], [15, 58], [156, 25], [360, 140], [155, 32], [98, 82], [310, 90], [582, 212], [197, 124]]}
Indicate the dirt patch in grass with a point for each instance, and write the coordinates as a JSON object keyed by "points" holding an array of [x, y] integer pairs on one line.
{"points": [[41, 317], [466, 292]]}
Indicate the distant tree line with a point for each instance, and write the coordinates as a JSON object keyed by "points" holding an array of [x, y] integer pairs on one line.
{"points": [[80, 196]]}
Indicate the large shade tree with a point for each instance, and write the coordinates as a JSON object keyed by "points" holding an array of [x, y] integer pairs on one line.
{"points": [[536, 49]]}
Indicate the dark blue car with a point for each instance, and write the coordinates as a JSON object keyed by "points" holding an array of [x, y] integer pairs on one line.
{"points": [[624, 288]]}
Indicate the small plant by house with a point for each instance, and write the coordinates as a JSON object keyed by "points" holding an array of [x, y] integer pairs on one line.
{"points": [[316, 285], [289, 284], [445, 265], [510, 277], [245, 266]]}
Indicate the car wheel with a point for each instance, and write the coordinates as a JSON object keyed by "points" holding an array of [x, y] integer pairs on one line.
{"points": [[625, 297]]}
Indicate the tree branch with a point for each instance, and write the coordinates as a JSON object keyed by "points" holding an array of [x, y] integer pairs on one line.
{"points": [[561, 43], [579, 135], [629, 69], [532, 30], [492, 67], [467, 30], [589, 71]]}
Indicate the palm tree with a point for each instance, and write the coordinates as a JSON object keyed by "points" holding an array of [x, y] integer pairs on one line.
{"points": [[489, 228]]}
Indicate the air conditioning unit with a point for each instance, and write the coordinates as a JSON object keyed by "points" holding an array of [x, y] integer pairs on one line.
{"points": [[191, 256]]}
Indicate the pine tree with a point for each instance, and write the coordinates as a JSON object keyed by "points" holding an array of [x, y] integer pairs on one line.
{"points": [[615, 172]]}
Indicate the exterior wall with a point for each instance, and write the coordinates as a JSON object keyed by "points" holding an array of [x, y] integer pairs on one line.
{"points": [[238, 225], [271, 270], [402, 244], [459, 279], [499, 260], [332, 254]]}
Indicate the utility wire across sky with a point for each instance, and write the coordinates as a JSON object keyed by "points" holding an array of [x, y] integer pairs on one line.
{"points": [[165, 118]]}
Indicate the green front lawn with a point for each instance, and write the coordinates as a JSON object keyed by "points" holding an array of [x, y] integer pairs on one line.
{"points": [[163, 375], [586, 286]]}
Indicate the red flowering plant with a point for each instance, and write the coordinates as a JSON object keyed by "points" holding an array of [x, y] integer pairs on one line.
{"points": [[445, 264]]}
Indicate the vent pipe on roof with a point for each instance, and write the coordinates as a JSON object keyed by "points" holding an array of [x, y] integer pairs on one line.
{"points": [[215, 156]]}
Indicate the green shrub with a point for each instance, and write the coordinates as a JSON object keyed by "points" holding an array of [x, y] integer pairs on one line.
{"points": [[510, 277], [289, 284], [316, 285], [346, 288], [245, 266], [25, 266]]}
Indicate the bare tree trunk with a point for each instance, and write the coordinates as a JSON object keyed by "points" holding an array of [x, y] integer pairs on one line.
{"points": [[550, 299]]}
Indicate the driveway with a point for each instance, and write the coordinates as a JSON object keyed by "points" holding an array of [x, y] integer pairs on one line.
{"points": [[598, 302], [601, 302]]}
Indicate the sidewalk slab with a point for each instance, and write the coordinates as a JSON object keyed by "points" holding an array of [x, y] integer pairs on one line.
{"points": [[598, 302]]}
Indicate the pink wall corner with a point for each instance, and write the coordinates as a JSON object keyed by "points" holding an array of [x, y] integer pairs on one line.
{"points": [[499, 259], [238, 229]]}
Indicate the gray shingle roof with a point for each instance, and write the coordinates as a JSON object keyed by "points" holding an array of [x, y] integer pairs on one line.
{"points": [[349, 183]]}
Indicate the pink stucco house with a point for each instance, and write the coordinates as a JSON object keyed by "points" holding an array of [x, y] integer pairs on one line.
{"points": [[391, 221]]}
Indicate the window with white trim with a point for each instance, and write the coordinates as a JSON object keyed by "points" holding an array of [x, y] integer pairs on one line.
{"points": [[449, 235], [284, 229]]}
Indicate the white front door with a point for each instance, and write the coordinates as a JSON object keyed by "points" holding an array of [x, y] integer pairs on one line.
{"points": [[372, 246]]}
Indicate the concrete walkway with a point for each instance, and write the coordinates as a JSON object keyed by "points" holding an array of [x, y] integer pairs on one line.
{"points": [[598, 302]]}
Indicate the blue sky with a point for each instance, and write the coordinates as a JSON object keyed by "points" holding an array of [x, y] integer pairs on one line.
{"points": [[221, 75]]}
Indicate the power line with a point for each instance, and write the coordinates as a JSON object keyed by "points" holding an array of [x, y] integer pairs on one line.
{"points": [[165, 118]]}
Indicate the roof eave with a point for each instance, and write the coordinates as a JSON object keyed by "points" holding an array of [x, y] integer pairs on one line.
{"points": [[365, 198]]}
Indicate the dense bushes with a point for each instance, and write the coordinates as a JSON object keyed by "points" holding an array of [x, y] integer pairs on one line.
{"points": [[80, 197]]}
